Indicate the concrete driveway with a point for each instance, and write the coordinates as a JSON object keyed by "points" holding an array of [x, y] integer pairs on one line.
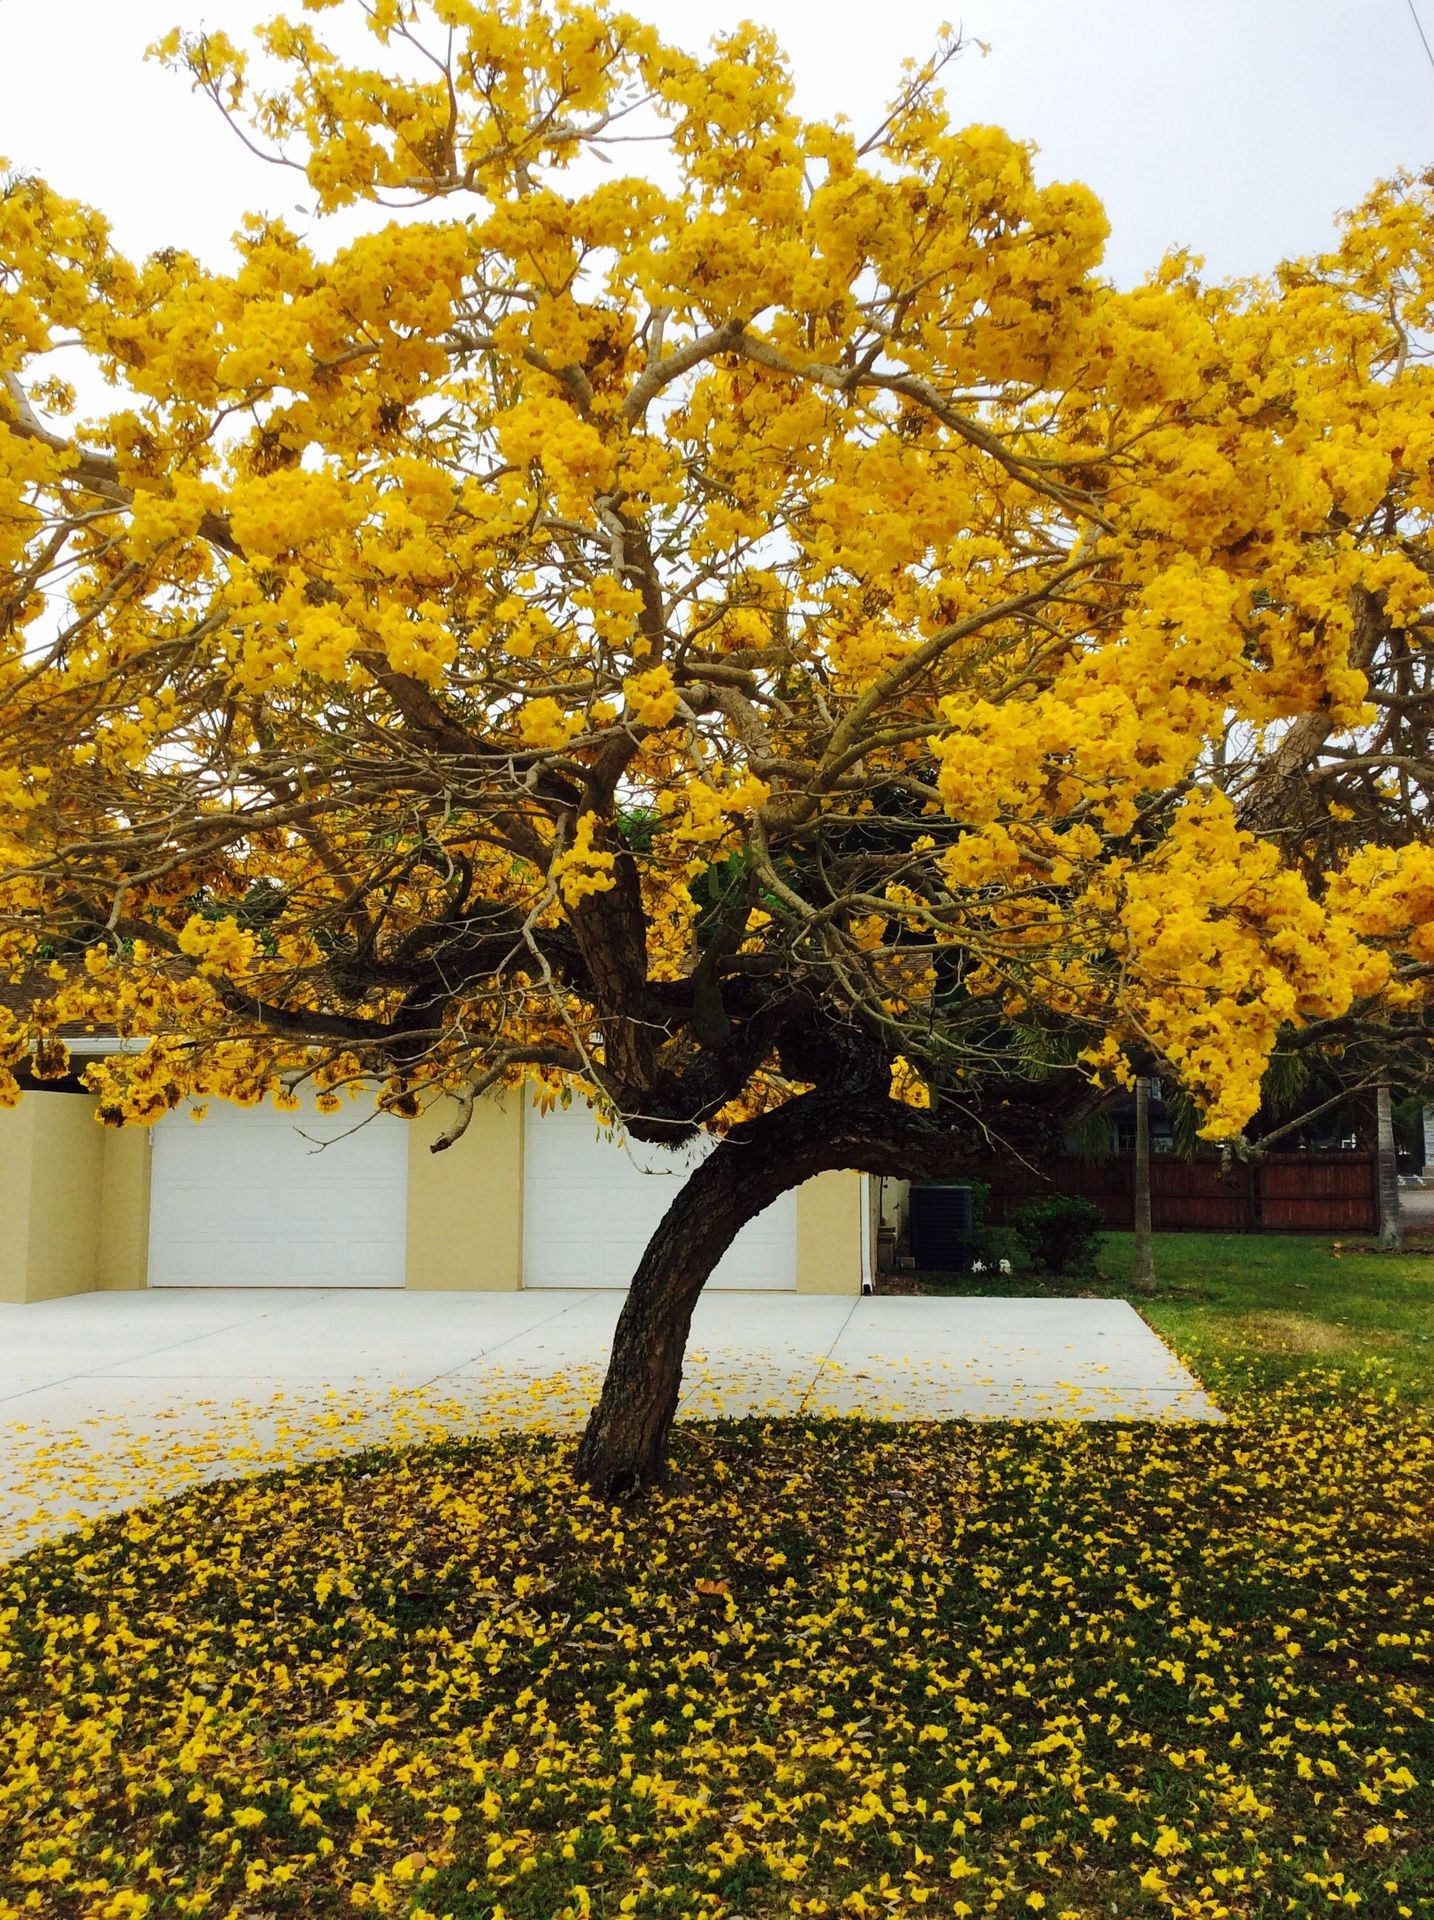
{"points": [[108, 1400]]}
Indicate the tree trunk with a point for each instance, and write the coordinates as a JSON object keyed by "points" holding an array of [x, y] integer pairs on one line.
{"points": [[1391, 1220], [624, 1447], [1142, 1269]]}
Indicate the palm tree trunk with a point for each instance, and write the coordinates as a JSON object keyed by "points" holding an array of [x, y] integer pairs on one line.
{"points": [[1142, 1270], [1391, 1219]]}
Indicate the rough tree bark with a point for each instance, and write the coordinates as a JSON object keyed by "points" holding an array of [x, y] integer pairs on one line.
{"points": [[1142, 1266], [624, 1447]]}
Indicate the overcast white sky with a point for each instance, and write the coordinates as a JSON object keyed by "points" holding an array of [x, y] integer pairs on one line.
{"points": [[1234, 127]]}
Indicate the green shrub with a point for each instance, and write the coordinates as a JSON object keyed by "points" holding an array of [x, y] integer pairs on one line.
{"points": [[1061, 1234]]}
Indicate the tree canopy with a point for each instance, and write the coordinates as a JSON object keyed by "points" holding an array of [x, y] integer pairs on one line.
{"points": [[771, 627]]}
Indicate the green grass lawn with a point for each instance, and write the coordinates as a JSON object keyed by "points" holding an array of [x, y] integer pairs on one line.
{"points": [[1274, 1304]]}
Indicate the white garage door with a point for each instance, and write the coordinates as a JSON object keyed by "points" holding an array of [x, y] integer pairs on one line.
{"points": [[591, 1204], [243, 1199]]}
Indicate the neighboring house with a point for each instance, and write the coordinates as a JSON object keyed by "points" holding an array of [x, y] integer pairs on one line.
{"points": [[252, 1197]]}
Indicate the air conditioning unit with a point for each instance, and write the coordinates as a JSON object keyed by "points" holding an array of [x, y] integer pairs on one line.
{"points": [[941, 1226]]}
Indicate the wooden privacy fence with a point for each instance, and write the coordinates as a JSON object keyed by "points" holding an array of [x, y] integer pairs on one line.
{"points": [[1278, 1193]]}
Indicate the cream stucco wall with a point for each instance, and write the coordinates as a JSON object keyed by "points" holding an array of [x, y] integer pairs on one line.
{"points": [[465, 1205], [74, 1200], [122, 1260], [51, 1162], [17, 1135], [829, 1233], [68, 1150]]}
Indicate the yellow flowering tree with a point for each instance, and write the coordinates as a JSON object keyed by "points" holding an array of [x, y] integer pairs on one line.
{"points": [[776, 643]]}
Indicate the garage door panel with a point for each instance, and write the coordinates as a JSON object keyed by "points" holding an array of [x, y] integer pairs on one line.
{"points": [[591, 1204], [243, 1198]]}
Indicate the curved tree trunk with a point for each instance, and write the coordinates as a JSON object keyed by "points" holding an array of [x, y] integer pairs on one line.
{"points": [[624, 1447]]}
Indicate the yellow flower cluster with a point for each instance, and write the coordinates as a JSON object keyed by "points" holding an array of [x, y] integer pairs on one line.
{"points": [[583, 868], [651, 696], [221, 946], [362, 524], [907, 1086], [1224, 947], [1387, 894], [547, 433], [543, 723]]}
